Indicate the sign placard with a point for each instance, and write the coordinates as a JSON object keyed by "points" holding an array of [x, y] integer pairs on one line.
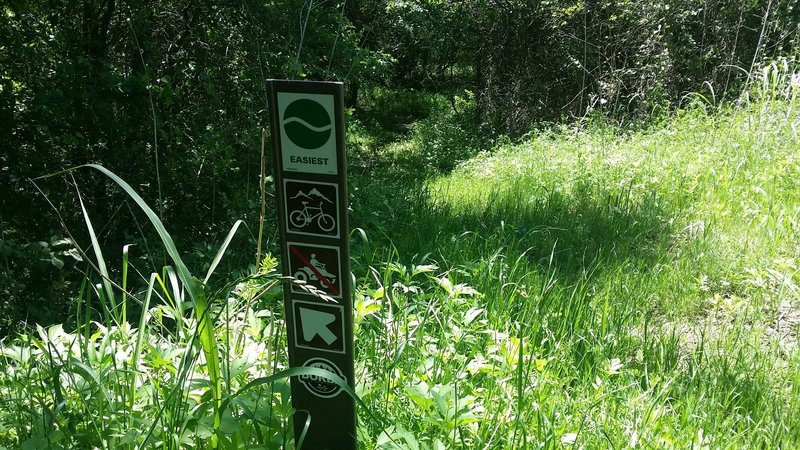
{"points": [[319, 326], [312, 207], [308, 136], [307, 128], [315, 265]]}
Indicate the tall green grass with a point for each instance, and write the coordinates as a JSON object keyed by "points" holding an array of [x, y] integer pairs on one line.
{"points": [[205, 368], [596, 288], [586, 287]]}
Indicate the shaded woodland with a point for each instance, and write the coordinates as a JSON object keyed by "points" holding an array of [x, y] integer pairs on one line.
{"points": [[171, 95]]}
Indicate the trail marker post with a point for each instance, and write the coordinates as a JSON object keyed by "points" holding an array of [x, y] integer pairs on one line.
{"points": [[307, 124]]}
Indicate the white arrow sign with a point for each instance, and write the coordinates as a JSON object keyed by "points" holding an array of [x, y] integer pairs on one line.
{"points": [[316, 323]]}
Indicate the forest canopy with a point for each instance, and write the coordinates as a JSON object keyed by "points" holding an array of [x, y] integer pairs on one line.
{"points": [[566, 223], [172, 93]]}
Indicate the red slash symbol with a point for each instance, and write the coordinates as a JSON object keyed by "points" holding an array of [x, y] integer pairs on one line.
{"points": [[316, 271]]}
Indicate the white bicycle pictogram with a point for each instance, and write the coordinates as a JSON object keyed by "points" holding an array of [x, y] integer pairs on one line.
{"points": [[300, 218]]}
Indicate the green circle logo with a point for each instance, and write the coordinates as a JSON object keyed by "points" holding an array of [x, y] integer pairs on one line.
{"points": [[307, 124]]}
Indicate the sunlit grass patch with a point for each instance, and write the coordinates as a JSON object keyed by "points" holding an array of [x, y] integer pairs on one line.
{"points": [[638, 279], [586, 287]]}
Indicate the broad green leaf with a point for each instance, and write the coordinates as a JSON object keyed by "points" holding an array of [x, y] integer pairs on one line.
{"points": [[35, 443]]}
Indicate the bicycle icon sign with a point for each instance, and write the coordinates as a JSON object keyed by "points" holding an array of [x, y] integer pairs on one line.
{"points": [[302, 218], [312, 208]]}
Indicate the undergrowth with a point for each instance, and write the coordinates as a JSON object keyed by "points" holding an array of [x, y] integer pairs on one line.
{"points": [[587, 287]]}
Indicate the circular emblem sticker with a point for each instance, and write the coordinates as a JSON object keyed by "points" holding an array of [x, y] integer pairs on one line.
{"points": [[321, 386], [307, 124]]}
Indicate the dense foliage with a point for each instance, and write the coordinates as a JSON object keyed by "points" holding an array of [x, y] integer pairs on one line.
{"points": [[585, 287], [614, 266], [172, 95]]}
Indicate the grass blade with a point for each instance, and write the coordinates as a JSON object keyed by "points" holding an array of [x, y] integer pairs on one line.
{"points": [[192, 286], [137, 349], [101, 263], [221, 251], [125, 282]]}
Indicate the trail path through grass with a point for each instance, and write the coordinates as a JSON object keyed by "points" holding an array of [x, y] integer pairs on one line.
{"points": [[584, 288], [616, 290]]}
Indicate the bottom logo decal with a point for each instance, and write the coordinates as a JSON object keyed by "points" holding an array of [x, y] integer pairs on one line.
{"points": [[321, 386]]}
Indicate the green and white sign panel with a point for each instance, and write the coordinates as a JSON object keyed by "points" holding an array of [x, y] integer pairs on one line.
{"points": [[308, 137], [307, 125]]}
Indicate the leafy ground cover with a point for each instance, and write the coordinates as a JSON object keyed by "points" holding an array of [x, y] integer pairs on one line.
{"points": [[587, 287], [597, 289]]}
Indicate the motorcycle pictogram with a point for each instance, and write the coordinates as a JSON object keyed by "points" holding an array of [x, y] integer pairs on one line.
{"points": [[302, 217], [305, 273]]}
